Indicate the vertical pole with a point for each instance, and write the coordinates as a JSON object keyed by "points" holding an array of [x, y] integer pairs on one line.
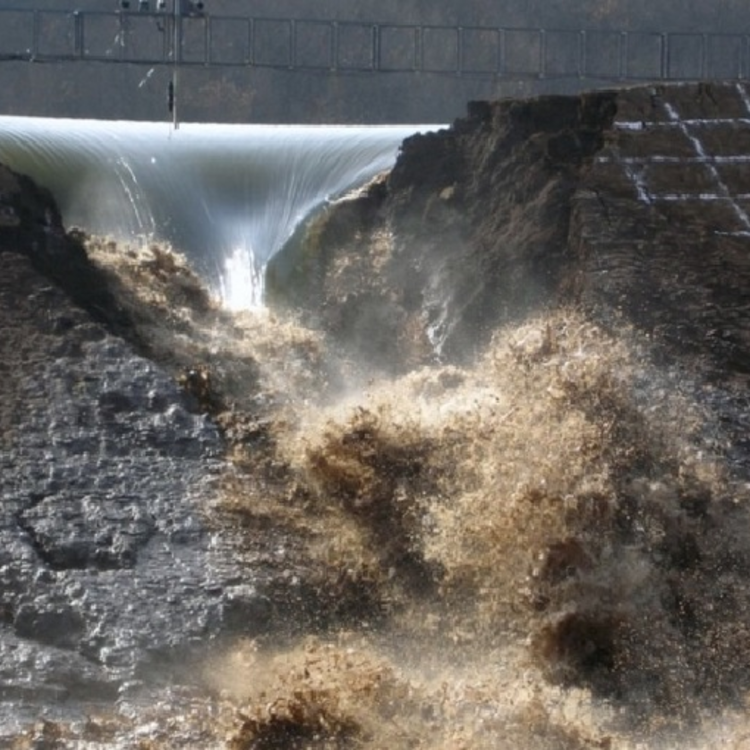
{"points": [[582, 48], [333, 57], [79, 44], [624, 63], [292, 44], [375, 59], [35, 34], [175, 62], [250, 58], [207, 40], [542, 53], [418, 53], [501, 44], [460, 50]]}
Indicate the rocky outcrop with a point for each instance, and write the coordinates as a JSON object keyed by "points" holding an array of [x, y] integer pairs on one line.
{"points": [[469, 229], [128, 401], [108, 563], [631, 202]]}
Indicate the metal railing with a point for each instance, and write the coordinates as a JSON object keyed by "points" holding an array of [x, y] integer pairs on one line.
{"points": [[154, 38]]}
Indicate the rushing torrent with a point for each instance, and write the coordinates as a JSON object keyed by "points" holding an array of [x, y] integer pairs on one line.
{"points": [[542, 547]]}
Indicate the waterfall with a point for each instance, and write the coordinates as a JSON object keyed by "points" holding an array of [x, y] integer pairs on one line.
{"points": [[228, 196]]}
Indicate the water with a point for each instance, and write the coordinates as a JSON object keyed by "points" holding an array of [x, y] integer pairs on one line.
{"points": [[585, 538], [227, 196]]}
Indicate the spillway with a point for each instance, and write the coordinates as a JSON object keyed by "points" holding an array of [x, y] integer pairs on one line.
{"points": [[228, 196]]}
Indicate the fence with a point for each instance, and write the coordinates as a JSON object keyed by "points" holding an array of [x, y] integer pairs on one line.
{"points": [[151, 38]]}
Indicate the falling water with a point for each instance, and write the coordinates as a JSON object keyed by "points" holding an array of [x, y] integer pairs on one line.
{"points": [[228, 196], [243, 280]]}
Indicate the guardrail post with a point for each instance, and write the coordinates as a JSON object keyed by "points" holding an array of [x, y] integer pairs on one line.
{"points": [[375, 47], [292, 44], [623, 61], [250, 57], [35, 33], [459, 50], [418, 51], [501, 43], [207, 40], [333, 57], [78, 42]]}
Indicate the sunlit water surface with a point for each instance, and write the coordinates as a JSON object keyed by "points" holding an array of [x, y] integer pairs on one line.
{"points": [[228, 196]]}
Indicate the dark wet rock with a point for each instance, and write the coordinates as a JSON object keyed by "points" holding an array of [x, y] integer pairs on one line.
{"points": [[107, 479], [119, 570], [246, 610], [105, 488], [60, 625], [631, 203], [469, 229]]}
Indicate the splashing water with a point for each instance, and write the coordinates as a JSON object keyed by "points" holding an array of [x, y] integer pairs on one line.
{"points": [[551, 531], [243, 280]]}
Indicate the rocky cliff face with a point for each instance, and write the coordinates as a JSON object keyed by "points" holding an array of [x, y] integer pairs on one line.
{"points": [[470, 229], [623, 201], [102, 461], [111, 569]]}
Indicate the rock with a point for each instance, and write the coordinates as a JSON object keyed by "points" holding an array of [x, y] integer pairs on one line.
{"points": [[119, 571], [107, 477], [632, 203], [451, 263]]}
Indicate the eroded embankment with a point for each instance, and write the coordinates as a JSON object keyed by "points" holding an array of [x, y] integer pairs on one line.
{"points": [[468, 230]]}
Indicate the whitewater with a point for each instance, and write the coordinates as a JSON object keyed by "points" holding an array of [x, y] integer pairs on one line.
{"points": [[494, 530]]}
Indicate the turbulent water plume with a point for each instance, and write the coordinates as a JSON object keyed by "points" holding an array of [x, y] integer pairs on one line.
{"points": [[228, 196], [542, 549], [536, 537], [555, 537]]}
